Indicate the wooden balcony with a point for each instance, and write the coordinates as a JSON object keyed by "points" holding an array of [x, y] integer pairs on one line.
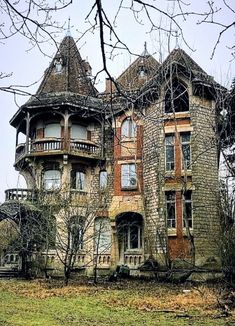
{"points": [[55, 146]]}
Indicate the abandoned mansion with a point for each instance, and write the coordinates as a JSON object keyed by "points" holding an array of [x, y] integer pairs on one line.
{"points": [[128, 176]]}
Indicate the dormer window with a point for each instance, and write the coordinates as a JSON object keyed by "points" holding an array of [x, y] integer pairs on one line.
{"points": [[142, 71], [58, 62], [176, 98]]}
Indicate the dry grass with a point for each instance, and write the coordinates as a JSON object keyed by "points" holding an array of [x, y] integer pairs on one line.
{"points": [[196, 302]]}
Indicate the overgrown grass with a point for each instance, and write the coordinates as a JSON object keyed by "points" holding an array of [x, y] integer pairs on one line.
{"points": [[126, 303]]}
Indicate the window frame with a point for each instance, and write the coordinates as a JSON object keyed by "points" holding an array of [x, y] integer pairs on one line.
{"points": [[127, 236], [178, 93], [103, 179], [128, 129], [47, 179], [186, 163], [189, 202], [79, 127], [76, 182], [172, 147], [169, 204], [104, 243], [78, 227], [58, 131], [126, 176]]}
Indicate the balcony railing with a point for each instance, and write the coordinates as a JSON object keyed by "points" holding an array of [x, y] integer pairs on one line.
{"points": [[20, 194], [56, 145]]}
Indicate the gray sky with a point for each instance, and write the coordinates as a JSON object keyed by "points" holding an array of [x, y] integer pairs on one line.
{"points": [[27, 66]]}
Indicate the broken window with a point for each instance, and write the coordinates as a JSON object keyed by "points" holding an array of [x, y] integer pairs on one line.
{"points": [[128, 176], [176, 98], [170, 152], [128, 128], [170, 209]]}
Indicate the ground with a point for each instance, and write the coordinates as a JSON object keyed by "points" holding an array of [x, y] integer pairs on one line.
{"points": [[42, 303]]}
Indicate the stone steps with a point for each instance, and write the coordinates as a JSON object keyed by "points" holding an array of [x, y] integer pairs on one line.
{"points": [[6, 272]]}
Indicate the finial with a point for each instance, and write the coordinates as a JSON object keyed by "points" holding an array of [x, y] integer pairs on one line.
{"points": [[145, 53], [68, 29], [177, 39]]}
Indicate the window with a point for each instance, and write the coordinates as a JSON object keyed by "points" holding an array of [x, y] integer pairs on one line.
{"points": [[170, 152], [102, 235], [170, 209], [58, 64], [132, 236], [79, 132], [176, 98], [128, 128], [185, 150], [103, 179], [187, 209], [78, 180], [51, 179], [76, 228], [128, 176], [52, 130]]}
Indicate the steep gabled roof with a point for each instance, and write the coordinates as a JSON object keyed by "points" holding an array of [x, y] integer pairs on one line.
{"points": [[178, 63], [67, 72], [131, 78]]}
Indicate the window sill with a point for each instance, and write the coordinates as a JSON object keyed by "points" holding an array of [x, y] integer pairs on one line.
{"points": [[128, 139], [171, 232], [129, 188], [185, 233], [176, 115], [133, 251]]}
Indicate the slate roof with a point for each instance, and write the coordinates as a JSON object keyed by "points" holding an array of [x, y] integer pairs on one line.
{"points": [[72, 77]]}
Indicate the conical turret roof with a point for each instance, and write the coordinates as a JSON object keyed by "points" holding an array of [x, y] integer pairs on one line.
{"points": [[67, 72]]}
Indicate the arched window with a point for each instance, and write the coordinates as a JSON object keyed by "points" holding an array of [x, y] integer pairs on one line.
{"points": [[102, 235], [51, 180], [103, 179], [128, 128], [176, 98]]}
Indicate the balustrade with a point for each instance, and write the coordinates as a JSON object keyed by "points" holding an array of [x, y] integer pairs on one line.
{"points": [[133, 260]]}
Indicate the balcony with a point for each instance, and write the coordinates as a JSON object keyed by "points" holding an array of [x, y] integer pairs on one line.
{"points": [[20, 194], [52, 146]]}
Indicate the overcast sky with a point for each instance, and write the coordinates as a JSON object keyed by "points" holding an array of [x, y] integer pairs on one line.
{"points": [[27, 66]]}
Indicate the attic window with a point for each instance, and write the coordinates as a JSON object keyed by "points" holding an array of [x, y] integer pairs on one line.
{"points": [[58, 64], [176, 98], [142, 71]]}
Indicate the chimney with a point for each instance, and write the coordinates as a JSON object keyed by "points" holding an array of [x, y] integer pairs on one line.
{"points": [[109, 86]]}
